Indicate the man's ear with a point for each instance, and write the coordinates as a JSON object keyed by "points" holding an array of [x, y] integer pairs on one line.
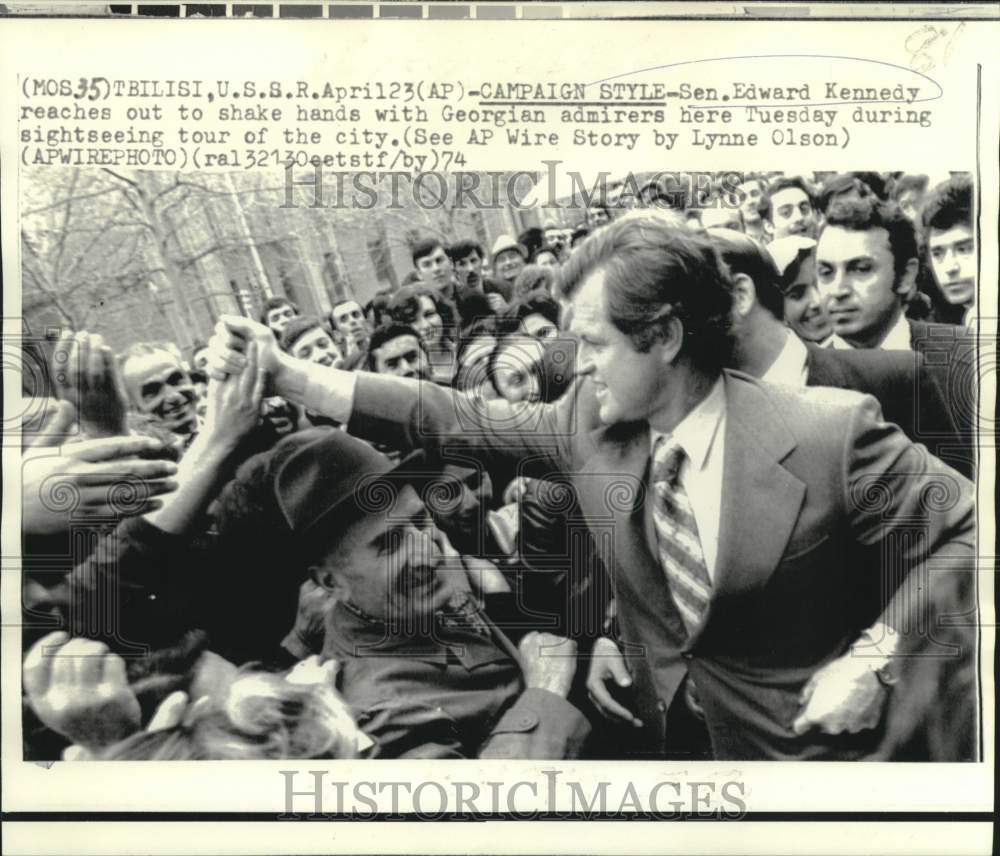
{"points": [[326, 579], [671, 338], [906, 284], [744, 294]]}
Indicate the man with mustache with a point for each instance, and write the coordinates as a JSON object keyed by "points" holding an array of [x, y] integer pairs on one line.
{"points": [[913, 394], [276, 314], [467, 257], [867, 261]]}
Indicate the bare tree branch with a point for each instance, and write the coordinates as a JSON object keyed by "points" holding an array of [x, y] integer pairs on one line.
{"points": [[58, 204], [127, 181]]}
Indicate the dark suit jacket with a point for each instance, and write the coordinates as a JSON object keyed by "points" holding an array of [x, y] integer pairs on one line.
{"points": [[822, 504], [949, 353], [923, 400]]}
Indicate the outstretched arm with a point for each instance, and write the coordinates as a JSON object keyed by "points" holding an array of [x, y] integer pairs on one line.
{"points": [[405, 413], [136, 587]]}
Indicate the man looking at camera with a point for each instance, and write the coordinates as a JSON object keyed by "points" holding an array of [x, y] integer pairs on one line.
{"points": [[159, 386]]}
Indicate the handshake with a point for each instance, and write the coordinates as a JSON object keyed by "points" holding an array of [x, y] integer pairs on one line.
{"points": [[110, 471]]}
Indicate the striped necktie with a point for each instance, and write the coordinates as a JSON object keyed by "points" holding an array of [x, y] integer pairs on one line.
{"points": [[677, 538]]}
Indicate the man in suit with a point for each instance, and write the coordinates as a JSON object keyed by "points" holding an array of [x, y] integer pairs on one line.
{"points": [[912, 394], [867, 263], [751, 531]]}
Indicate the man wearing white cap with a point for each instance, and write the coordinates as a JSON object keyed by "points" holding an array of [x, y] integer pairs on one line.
{"points": [[509, 259]]}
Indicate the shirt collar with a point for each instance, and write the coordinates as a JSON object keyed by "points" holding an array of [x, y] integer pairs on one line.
{"points": [[789, 367], [349, 627], [898, 337], [696, 432], [835, 342]]}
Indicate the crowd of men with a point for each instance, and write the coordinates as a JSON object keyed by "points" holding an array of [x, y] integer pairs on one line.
{"points": [[689, 481]]}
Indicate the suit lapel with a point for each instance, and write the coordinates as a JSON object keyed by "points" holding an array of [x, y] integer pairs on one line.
{"points": [[760, 502], [760, 498]]}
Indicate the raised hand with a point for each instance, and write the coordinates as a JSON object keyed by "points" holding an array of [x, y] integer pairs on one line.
{"points": [[227, 349], [234, 403], [86, 375], [78, 688], [104, 477], [58, 425]]}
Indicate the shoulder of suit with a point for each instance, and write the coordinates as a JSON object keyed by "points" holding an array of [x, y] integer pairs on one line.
{"points": [[873, 363], [936, 332], [809, 401]]}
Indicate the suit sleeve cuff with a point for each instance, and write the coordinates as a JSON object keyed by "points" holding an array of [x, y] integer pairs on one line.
{"points": [[329, 392]]}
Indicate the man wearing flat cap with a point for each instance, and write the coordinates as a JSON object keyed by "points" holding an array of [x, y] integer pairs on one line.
{"points": [[427, 672]]}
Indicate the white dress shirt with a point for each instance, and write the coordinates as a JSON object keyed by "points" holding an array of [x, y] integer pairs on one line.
{"points": [[898, 337], [702, 435], [790, 366], [834, 341]]}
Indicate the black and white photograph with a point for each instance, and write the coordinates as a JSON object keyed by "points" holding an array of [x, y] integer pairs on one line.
{"points": [[442, 482], [621, 434]]}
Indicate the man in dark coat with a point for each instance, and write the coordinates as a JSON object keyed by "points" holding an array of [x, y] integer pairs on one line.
{"points": [[754, 532]]}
